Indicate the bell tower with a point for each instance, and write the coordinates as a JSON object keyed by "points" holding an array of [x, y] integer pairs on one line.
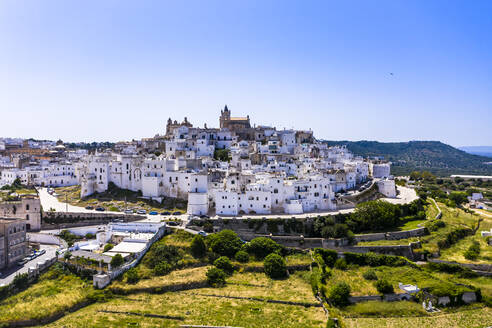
{"points": [[225, 116]]}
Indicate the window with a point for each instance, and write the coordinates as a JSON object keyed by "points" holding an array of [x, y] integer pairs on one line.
{"points": [[27, 207]]}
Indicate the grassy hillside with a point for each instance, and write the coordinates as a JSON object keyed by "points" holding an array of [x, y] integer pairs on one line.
{"points": [[433, 156]]}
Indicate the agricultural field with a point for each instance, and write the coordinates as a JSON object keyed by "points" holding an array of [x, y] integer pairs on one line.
{"points": [[55, 291], [453, 218], [473, 316]]}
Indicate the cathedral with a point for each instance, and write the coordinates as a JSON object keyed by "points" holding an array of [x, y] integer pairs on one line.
{"points": [[233, 123]]}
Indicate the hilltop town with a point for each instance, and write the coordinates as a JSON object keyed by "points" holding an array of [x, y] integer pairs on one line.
{"points": [[275, 220]]}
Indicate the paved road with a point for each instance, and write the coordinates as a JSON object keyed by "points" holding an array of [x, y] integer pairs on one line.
{"points": [[406, 195], [7, 276]]}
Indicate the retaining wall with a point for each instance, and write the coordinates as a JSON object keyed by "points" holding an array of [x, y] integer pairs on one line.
{"points": [[59, 220]]}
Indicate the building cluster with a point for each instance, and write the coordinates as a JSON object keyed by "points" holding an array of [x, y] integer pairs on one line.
{"points": [[13, 243], [234, 169]]}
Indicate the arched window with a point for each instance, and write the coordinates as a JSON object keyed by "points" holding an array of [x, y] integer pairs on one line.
{"points": [[27, 207]]}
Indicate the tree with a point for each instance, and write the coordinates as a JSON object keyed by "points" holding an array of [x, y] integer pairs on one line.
{"points": [[21, 281], [339, 294], [242, 256], [458, 197], [222, 155], [161, 252], [384, 287], [473, 251], [108, 247], [274, 266], [198, 247], [132, 276], [225, 243], [262, 246], [162, 268], [67, 256], [216, 277], [374, 215], [225, 264], [117, 260]]}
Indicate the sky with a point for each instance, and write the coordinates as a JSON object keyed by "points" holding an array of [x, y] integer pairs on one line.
{"points": [[107, 70]]}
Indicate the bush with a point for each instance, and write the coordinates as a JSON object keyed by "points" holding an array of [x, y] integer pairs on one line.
{"points": [[453, 237], [162, 268], [108, 247], [341, 264], [384, 287], [132, 276], [373, 259], [435, 225], [21, 281], [117, 260], [225, 243], [198, 247], [274, 266], [242, 256], [370, 275], [216, 277], [329, 256], [162, 253], [225, 264], [262, 246], [473, 251], [339, 294]]}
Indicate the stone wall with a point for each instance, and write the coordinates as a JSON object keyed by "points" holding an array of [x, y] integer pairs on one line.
{"points": [[393, 235], [399, 250], [60, 220]]}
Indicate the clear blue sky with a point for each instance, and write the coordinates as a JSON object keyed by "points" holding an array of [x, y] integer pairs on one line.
{"points": [[116, 70]]}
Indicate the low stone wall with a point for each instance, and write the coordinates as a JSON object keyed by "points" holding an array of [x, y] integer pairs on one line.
{"points": [[393, 235], [472, 266], [299, 241], [60, 220], [399, 250]]}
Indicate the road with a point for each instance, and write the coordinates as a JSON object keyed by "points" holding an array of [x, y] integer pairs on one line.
{"points": [[405, 195], [7, 275]]}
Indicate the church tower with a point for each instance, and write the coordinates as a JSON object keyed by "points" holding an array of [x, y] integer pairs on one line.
{"points": [[225, 116]]}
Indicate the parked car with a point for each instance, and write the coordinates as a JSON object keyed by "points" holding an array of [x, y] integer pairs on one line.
{"points": [[165, 213], [203, 233], [177, 213], [203, 216], [23, 261], [172, 223], [41, 252], [153, 213], [100, 209], [128, 211], [141, 212], [89, 207]]}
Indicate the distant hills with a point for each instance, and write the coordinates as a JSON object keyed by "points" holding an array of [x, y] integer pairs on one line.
{"points": [[478, 150], [433, 156]]}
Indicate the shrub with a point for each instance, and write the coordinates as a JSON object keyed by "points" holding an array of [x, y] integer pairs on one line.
{"points": [[132, 276], [262, 246], [216, 277], [242, 256], [225, 264], [275, 266], [198, 247], [454, 236], [341, 264], [339, 294], [117, 260], [473, 251], [370, 275], [329, 256], [67, 256], [161, 252], [384, 287], [108, 247], [162, 268], [435, 225], [225, 243], [21, 281]]}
